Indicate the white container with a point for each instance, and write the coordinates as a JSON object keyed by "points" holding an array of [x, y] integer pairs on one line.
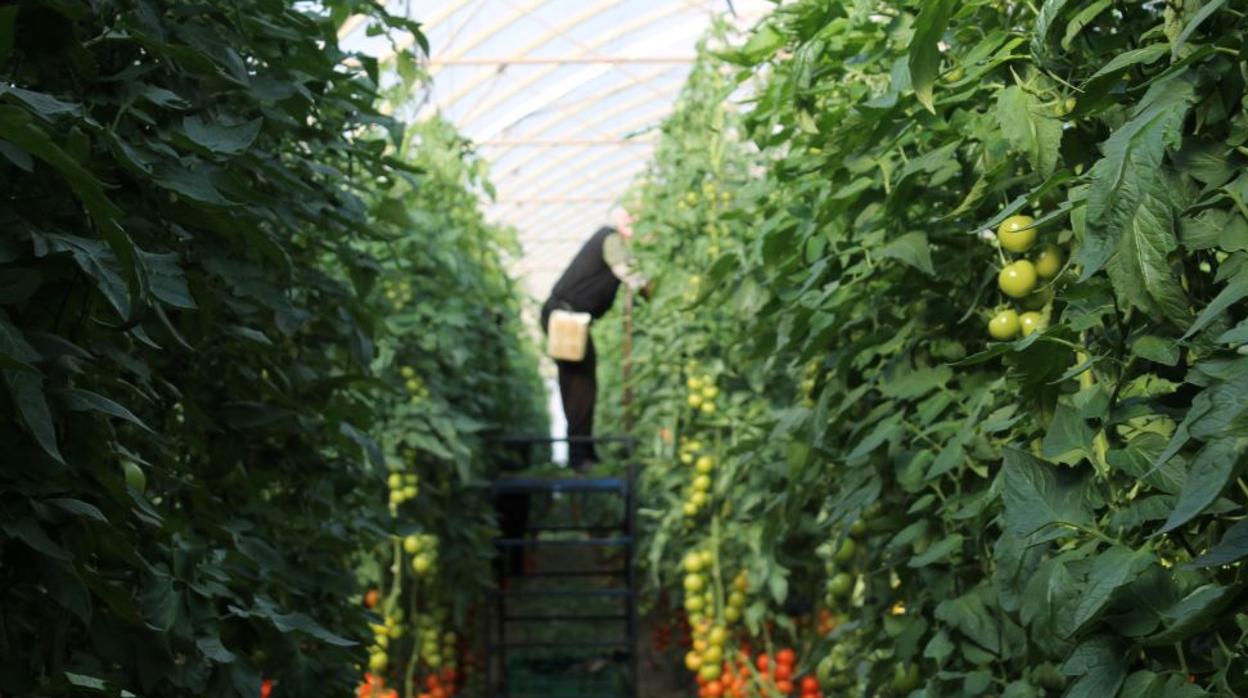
{"points": [[567, 335]]}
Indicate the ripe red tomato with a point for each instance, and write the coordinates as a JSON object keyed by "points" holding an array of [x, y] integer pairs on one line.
{"points": [[810, 684], [763, 662], [266, 687], [785, 687], [786, 656], [784, 672]]}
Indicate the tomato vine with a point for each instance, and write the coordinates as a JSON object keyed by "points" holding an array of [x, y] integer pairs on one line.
{"points": [[1051, 500]]}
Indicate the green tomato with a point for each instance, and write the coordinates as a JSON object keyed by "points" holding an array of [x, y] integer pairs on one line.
{"points": [[693, 562], [412, 544], [694, 583], [1004, 325], [1048, 261], [1037, 300], [840, 584], [422, 563], [136, 479], [708, 559], [1015, 235], [1017, 280], [905, 679], [709, 671], [702, 483], [1031, 322], [718, 636], [846, 552], [1048, 677]]}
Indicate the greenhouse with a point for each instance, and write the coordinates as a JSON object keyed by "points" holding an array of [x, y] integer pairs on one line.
{"points": [[624, 348]]}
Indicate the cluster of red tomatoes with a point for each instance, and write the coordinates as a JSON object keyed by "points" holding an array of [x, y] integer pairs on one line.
{"points": [[773, 679], [677, 630], [441, 685], [827, 622], [374, 687]]}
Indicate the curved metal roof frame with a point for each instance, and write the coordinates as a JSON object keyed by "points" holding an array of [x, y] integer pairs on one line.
{"points": [[558, 95]]}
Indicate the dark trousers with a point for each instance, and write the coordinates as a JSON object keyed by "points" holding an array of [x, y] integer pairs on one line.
{"points": [[578, 388]]}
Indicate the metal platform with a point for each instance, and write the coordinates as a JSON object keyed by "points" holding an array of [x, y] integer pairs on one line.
{"points": [[581, 610]]}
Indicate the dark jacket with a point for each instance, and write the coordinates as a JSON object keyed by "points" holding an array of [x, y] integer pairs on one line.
{"points": [[588, 285]]}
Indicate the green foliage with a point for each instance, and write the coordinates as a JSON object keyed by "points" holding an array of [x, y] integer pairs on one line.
{"points": [[1074, 498], [199, 200]]}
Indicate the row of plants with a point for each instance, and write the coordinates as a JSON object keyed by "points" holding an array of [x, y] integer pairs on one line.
{"points": [[953, 307], [254, 337]]}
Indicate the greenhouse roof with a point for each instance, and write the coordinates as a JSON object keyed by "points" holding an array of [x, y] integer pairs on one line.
{"points": [[561, 97]]}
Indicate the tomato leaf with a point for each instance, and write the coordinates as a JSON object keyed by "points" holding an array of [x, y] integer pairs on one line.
{"points": [[1204, 13], [1082, 19], [1211, 470], [1192, 614], [1236, 289], [1140, 268], [1131, 167], [1045, 19], [1030, 128], [924, 49], [1111, 570], [1037, 495], [220, 137], [1232, 548], [911, 248], [1069, 438], [1099, 663]]}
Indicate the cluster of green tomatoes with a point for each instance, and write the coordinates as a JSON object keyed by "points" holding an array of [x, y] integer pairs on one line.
{"points": [[416, 388], [423, 547], [383, 633], [398, 293], [436, 647], [403, 486], [699, 492], [702, 393], [1018, 280]]}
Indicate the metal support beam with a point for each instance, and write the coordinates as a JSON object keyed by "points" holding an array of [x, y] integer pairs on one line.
{"points": [[552, 200], [566, 142], [562, 29], [543, 98], [569, 60], [649, 117]]}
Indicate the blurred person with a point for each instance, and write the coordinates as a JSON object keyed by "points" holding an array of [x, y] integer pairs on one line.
{"points": [[589, 285]]}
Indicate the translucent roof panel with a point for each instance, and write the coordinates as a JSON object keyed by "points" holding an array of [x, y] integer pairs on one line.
{"points": [[562, 98]]}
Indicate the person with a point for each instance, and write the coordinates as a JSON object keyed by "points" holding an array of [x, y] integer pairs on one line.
{"points": [[589, 285]]}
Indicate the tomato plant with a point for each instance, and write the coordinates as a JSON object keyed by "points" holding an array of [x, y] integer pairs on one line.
{"points": [[232, 292], [1047, 501]]}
